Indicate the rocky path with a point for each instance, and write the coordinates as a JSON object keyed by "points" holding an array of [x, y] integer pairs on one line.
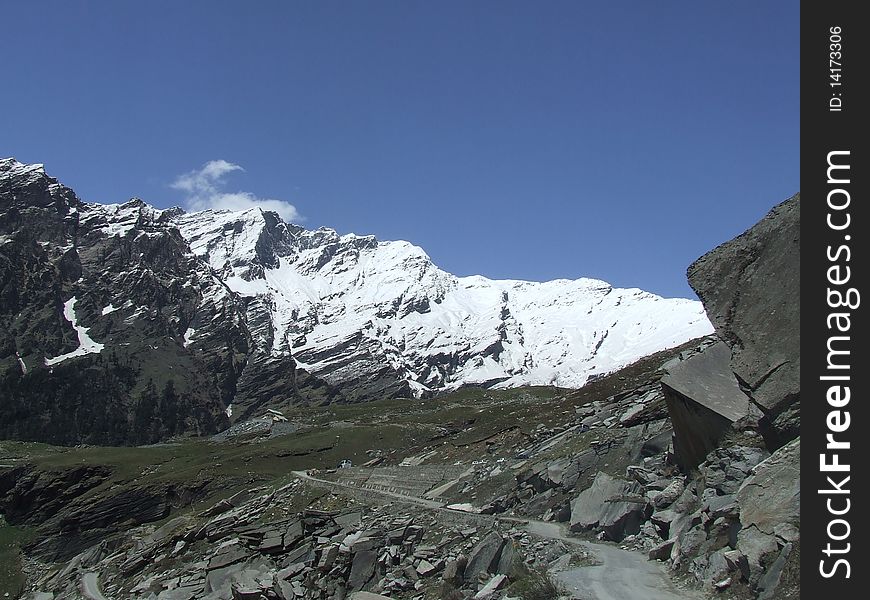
{"points": [[91, 587], [619, 575], [392, 495]]}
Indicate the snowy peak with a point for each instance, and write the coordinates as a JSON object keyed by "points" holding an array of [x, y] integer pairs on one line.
{"points": [[352, 308], [24, 185]]}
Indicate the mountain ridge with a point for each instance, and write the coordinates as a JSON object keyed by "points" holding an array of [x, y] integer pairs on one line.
{"points": [[258, 313]]}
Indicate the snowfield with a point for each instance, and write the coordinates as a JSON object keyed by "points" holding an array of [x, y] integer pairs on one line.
{"points": [[344, 305]]}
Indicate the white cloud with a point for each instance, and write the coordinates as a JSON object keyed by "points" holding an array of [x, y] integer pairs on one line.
{"points": [[204, 189]]}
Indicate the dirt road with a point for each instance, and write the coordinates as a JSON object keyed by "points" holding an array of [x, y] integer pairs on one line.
{"points": [[620, 574], [91, 587]]}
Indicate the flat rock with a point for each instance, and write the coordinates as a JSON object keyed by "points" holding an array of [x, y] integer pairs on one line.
{"points": [[228, 556], [771, 497], [492, 587], [362, 569], [704, 400], [425, 568]]}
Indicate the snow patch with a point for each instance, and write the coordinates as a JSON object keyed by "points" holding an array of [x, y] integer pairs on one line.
{"points": [[21, 364], [188, 337], [229, 410], [109, 309], [463, 507], [86, 344]]}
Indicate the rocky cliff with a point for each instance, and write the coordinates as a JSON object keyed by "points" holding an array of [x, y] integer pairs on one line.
{"points": [[97, 308]]}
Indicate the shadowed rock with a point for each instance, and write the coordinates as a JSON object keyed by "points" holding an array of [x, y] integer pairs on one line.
{"points": [[704, 400], [485, 556]]}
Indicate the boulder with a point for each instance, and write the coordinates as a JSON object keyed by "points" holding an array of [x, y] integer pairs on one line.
{"points": [[662, 551], [750, 287], [484, 556], [616, 506], [759, 549], [667, 496], [704, 400], [718, 569], [509, 557], [362, 569], [455, 570]]}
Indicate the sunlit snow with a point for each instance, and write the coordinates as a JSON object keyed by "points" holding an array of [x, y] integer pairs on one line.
{"points": [[86, 344], [387, 300]]}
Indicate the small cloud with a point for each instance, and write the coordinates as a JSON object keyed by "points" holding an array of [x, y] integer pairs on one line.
{"points": [[204, 189]]}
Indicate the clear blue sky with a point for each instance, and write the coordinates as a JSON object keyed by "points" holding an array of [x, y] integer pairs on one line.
{"points": [[528, 140]]}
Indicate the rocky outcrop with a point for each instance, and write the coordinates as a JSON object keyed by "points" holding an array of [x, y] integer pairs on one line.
{"points": [[750, 287], [70, 510], [112, 331], [30, 496], [737, 523]]}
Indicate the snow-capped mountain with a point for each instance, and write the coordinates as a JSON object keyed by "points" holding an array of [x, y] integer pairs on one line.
{"points": [[352, 308], [134, 323]]}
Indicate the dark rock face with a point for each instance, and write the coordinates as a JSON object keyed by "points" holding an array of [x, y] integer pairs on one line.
{"points": [[170, 346], [71, 509], [30, 496], [750, 287], [739, 519]]}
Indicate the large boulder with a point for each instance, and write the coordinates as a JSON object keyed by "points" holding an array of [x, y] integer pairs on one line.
{"points": [[484, 557], [616, 506], [704, 401], [750, 287]]}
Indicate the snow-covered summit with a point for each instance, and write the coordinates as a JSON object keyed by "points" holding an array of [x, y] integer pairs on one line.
{"points": [[373, 318], [353, 308]]}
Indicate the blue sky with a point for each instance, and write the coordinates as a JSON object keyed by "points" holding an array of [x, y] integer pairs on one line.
{"points": [[526, 140]]}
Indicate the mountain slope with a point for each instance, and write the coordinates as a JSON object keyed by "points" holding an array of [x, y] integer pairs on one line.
{"points": [[170, 322]]}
